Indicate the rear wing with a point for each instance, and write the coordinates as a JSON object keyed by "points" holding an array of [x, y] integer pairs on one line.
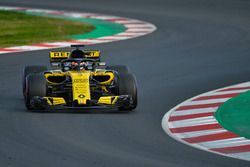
{"points": [[92, 54], [57, 57]]}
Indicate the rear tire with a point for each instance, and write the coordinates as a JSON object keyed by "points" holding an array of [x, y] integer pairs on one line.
{"points": [[128, 86], [31, 69], [36, 85]]}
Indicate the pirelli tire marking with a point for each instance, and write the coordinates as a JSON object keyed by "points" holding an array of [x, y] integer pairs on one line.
{"points": [[134, 28], [193, 123]]}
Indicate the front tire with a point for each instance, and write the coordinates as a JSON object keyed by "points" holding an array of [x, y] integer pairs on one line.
{"points": [[128, 86], [29, 70], [36, 85]]}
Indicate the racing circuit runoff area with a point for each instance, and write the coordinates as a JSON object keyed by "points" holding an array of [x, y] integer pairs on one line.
{"points": [[201, 46]]}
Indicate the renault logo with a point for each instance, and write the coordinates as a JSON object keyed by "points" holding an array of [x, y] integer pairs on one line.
{"points": [[81, 96]]}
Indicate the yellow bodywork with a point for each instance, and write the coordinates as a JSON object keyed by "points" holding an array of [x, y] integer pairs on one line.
{"points": [[54, 74], [65, 55], [92, 53], [104, 73], [59, 55], [108, 100], [81, 86], [52, 101]]}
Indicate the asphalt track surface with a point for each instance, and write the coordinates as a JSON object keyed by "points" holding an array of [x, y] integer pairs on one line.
{"points": [[200, 45]]}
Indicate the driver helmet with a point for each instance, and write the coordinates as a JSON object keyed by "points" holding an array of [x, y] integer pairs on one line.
{"points": [[81, 65]]}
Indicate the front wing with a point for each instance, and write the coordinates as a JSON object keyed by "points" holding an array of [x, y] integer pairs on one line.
{"points": [[59, 103]]}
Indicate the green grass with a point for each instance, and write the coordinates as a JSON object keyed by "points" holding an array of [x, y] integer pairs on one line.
{"points": [[22, 29], [234, 115]]}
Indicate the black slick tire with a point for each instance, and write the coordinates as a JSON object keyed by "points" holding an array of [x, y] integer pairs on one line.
{"points": [[36, 85], [29, 70], [128, 86]]}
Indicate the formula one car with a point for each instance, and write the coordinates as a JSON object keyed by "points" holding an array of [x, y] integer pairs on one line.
{"points": [[79, 80]]}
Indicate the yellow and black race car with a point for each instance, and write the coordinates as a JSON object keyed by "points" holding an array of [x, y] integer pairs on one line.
{"points": [[79, 80]]}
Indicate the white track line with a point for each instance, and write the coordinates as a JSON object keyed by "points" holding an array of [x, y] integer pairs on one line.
{"points": [[199, 133], [193, 122], [135, 28], [194, 111], [219, 138]]}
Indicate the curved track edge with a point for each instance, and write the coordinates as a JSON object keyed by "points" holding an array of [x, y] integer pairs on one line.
{"points": [[193, 123], [134, 28]]}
